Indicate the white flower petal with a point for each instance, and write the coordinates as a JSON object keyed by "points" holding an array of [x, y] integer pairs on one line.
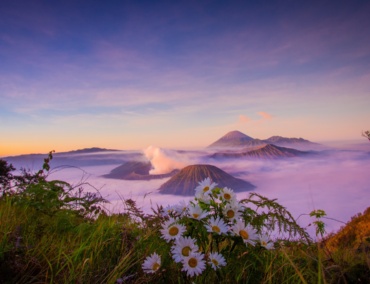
{"points": [[152, 263], [194, 264], [183, 247], [248, 233], [216, 260], [171, 230], [217, 225]]}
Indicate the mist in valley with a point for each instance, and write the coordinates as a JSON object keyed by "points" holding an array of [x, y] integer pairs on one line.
{"points": [[332, 179]]}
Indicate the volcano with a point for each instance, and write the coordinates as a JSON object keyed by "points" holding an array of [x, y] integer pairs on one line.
{"points": [[268, 151], [135, 170], [238, 140], [296, 143], [232, 139], [185, 181]]}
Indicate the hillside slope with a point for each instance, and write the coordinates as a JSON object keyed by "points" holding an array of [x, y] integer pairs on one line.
{"points": [[185, 181], [355, 234], [135, 170], [268, 151]]}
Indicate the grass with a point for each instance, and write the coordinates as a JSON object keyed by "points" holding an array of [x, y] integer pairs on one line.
{"points": [[65, 248], [49, 235]]}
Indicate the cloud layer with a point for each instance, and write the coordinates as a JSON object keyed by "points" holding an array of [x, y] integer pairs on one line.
{"points": [[335, 181]]}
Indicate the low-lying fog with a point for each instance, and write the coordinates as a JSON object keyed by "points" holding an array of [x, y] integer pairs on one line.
{"points": [[335, 180]]}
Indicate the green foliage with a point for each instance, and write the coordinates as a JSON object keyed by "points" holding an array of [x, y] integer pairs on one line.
{"points": [[319, 224], [272, 215], [216, 225], [48, 197], [63, 248], [355, 235], [5, 176], [366, 134], [51, 232]]}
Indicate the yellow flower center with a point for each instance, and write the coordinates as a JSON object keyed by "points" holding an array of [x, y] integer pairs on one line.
{"points": [[215, 262], [230, 213], [195, 215], [185, 251], [244, 234], [227, 196], [155, 266], [206, 188], [173, 231], [263, 243], [193, 262], [216, 229]]}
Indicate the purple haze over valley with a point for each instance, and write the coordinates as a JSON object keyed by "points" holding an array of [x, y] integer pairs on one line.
{"points": [[334, 179]]}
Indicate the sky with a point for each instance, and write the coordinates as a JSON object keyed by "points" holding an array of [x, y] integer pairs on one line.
{"points": [[180, 74]]}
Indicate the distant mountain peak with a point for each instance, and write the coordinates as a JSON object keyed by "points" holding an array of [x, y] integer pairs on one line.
{"points": [[232, 138], [280, 139], [236, 135], [238, 140], [266, 151], [89, 150]]}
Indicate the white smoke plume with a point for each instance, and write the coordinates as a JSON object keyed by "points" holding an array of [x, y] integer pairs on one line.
{"points": [[164, 160]]}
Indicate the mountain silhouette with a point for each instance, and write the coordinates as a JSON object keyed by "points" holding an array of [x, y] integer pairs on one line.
{"points": [[135, 170], [232, 139], [298, 143], [89, 150], [279, 139], [268, 151], [185, 181], [237, 140]]}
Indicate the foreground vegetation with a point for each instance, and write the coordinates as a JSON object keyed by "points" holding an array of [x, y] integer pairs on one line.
{"points": [[51, 232]]}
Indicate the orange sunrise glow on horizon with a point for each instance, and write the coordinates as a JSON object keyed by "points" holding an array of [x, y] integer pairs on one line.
{"points": [[129, 74]]}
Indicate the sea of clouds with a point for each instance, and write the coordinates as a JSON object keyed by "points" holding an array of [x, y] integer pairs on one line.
{"points": [[335, 180]]}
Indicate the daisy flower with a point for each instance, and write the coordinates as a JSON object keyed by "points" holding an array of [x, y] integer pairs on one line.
{"points": [[247, 233], [171, 231], [168, 210], [181, 207], [205, 187], [183, 247], [196, 212], [204, 197], [227, 194], [216, 260], [194, 264], [265, 242], [216, 225], [232, 210], [152, 263]]}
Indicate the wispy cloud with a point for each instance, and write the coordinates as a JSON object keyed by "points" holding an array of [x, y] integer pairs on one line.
{"points": [[262, 116], [265, 115], [244, 119], [184, 66]]}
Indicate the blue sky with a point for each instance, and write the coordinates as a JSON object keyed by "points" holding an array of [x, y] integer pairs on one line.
{"points": [[129, 74]]}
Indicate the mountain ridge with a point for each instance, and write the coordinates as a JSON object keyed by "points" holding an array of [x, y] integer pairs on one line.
{"points": [[88, 150], [237, 139], [268, 151]]}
